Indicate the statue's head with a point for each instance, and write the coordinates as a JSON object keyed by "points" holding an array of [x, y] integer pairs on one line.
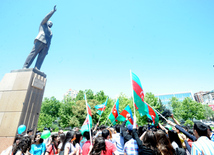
{"points": [[50, 24]]}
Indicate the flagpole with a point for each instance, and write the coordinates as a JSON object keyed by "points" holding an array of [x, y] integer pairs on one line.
{"points": [[132, 95], [106, 121], [88, 119], [132, 91]]}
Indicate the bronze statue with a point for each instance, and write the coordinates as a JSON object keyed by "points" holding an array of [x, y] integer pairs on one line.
{"points": [[41, 43]]}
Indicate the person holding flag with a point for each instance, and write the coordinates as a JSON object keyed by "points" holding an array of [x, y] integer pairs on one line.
{"points": [[123, 115], [127, 134]]}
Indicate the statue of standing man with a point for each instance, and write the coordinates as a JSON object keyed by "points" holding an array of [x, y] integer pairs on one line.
{"points": [[41, 43]]}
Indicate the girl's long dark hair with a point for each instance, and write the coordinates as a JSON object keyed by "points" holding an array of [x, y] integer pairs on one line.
{"points": [[99, 146], [18, 137], [69, 136], [150, 141], [173, 136], [78, 136], [164, 144], [23, 146], [53, 141]]}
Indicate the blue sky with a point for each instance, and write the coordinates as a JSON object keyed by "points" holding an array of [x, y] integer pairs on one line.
{"points": [[168, 44]]}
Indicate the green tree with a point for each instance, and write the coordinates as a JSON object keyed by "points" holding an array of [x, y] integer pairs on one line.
{"points": [[80, 96], [208, 112], [49, 112], [89, 94], [66, 113], [192, 109], [187, 109], [100, 96], [177, 107]]}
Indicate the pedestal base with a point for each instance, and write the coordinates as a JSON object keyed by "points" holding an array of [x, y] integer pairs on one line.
{"points": [[21, 93]]}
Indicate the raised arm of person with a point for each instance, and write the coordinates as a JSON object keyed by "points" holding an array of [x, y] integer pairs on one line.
{"points": [[163, 128], [48, 16], [125, 134], [135, 135], [96, 127], [174, 119], [193, 138]]}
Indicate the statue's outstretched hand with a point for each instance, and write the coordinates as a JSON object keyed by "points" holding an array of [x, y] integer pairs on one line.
{"points": [[54, 8]]}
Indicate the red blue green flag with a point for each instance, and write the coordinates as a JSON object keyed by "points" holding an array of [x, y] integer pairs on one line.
{"points": [[85, 126], [122, 116], [114, 113], [141, 106], [101, 107]]}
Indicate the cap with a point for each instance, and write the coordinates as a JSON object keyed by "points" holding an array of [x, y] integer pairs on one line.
{"points": [[201, 126], [130, 127]]}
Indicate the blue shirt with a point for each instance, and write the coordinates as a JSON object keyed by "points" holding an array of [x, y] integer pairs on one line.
{"points": [[118, 140], [212, 137], [202, 144], [131, 147], [37, 149]]}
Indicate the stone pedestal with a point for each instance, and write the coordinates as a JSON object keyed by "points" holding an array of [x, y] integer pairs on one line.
{"points": [[21, 93]]}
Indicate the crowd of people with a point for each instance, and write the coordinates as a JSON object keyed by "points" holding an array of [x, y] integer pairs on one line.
{"points": [[118, 140]]}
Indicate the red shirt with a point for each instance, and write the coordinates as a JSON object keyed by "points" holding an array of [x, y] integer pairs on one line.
{"points": [[50, 150], [86, 147], [110, 148]]}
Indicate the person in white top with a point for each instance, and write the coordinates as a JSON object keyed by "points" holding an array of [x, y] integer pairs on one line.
{"points": [[68, 145]]}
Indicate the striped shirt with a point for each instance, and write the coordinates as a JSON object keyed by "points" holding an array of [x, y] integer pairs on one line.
{"points": [[131, 147], [202, 144]]}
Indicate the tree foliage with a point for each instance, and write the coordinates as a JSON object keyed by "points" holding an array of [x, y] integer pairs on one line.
{"points": [[72, 112], [208, 112], [187, 109]]}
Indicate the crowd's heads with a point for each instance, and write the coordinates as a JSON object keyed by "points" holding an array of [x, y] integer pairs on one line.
{"points": [[99, 146], [117, 128], [60, 132], [149, 140], [24, 145], [78, 136], [86, 135], [30, 132], [130, 127], [45, 129], [163, 143], [38, 138], [105, 133], [200, 129], [102, 127], [141, 130], [70, 136], [62, 137], [173, 136], [17, 138]]}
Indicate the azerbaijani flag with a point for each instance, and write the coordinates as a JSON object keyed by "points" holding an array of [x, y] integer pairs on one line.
{"points": [[114, 112], [85, 126], [101, 107], [88, 121], [122, 116], [140, 105]]}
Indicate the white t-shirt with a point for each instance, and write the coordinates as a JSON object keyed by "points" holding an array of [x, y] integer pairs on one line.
{"points": [[70, 147], [77, 146], [174, 145], [60, 146]]}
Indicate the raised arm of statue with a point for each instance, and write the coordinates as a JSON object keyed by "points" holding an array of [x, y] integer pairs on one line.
{"points": [[48, 16]]}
